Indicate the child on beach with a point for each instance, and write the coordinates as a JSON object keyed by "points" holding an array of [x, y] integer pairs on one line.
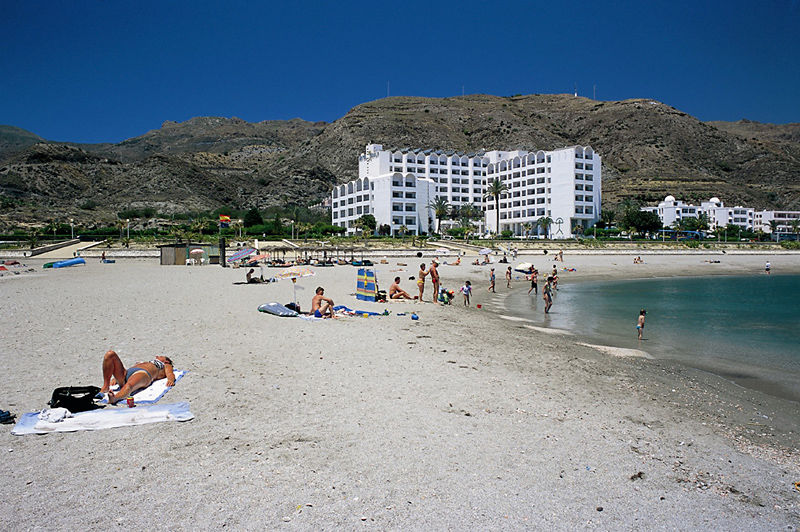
{"points": [[466, 290], [640, 323], [508, 277]]}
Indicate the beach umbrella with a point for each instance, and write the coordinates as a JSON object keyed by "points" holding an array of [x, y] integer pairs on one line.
{"points": [[242, 253], [258, 257], [524, 267], [294, 273], [485, 251], [197, 251]]}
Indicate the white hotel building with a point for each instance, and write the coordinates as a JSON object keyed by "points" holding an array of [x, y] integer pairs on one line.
{"points": [[671, 210], [397, 186]]}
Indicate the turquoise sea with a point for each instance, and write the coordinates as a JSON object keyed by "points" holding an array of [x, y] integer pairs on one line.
{"points": [[746, 329]]}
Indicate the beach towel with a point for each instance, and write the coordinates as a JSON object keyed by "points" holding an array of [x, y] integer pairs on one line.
{"points": [[103, 419], [152, 393]]}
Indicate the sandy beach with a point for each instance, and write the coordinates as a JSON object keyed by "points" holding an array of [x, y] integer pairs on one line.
{"points": [[460, 420]]}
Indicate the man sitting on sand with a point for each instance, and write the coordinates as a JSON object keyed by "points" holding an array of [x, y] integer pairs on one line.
{"points": [[321, 306], [139, 376], [395, 292], [251, 279]]}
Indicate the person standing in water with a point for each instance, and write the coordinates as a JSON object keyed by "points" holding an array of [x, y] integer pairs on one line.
{"points": [[534, 282], [767, 267], [640, 323], [547, 295]]}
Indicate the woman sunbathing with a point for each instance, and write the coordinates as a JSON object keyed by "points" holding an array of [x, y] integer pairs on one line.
{"points": [[137, 377]]}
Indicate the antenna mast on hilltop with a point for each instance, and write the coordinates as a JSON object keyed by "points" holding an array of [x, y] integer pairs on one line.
{"points": [[576, 90]]}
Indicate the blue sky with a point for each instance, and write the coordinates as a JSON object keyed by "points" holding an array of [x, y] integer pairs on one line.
{"points": [[106, 71]]}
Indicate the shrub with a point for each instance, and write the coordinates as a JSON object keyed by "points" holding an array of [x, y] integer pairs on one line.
{"points": [[506, 233]]}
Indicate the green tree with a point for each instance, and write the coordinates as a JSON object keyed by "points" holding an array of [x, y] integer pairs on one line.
{"points": [[795, 225], [496, 189], [440, 209], [636, 221], [607, 217], [120, 224], [253, 217], [545, 222], [528, 226], [368, 222]]}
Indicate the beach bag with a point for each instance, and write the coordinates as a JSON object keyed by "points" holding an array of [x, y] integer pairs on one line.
{"points": [[74, 398]]}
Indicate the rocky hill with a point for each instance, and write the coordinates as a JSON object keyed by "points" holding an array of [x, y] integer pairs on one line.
{"points": [[649, 150]]}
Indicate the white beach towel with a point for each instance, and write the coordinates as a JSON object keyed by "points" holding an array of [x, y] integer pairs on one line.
{"points": [[152, 393], [103, 419]]}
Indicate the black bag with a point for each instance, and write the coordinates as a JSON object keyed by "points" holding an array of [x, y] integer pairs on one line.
{"points": [[75, 398]]}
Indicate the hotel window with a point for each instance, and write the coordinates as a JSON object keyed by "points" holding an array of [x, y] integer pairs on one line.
{"points": [[397, 221], [539, 212], [397, 207], [443, 180], [588, 209], [349, 201], [349, 212], [411, 221], [410, 207], [589, 188], [397, 194], [358, 210], [589, 166], [578, 210], [411, 195], [410, 184], [444, 171], [578, 186], [335, 215], [578, 198]]}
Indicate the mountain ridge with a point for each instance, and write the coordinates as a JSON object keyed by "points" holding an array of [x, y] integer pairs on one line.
{"points": [[649, 150]]}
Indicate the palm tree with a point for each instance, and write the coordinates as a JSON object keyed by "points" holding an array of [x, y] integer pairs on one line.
{"points": [[795, 225], [33, 237], [773, 228], [607, 216], [120, 224], [403, 230], [496, 189], [545, 222], [702, 222], [528, 228], [440, 210]]}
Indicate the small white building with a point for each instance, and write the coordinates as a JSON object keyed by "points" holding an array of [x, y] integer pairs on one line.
{"points": [[671, 210], [397, 186], [783, 219]]}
